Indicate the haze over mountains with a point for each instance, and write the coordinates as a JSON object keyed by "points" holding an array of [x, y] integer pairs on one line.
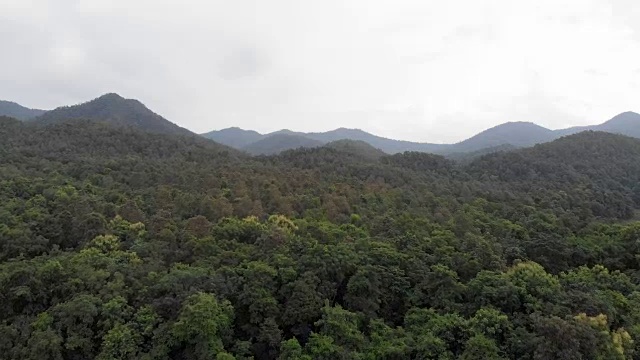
{"points": [[501, 137], [116, 110], [17, 111]]}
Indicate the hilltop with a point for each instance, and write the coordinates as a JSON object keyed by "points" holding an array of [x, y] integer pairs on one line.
{"points": [[114, 109]]}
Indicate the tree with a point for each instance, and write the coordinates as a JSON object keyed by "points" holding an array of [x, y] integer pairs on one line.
{"points": [[121, 342], [480, 347], [291, 350], [202, 324]]}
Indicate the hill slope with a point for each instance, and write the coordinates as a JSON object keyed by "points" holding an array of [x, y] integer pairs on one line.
{"points": [[358, 148], [466, 157], [86, 147], [17, 111], [114, 109], [601, 154], [234, 137], [604, 165]]}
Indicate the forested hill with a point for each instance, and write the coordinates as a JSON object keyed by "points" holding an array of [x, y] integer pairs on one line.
{"points": [[590, 172], [78, 140], [357, 147], [116, 243], [598, 156], [116, 110]]}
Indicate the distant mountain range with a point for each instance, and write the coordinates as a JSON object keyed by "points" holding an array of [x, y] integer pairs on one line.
{"points": [[502, 137], [114, 109], [243, 140], [17, 111]]}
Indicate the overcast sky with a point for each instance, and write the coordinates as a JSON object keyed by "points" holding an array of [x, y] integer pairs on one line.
{"points": [[422, 70]]}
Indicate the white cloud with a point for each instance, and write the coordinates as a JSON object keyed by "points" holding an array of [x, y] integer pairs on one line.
{"points": [[411, 69]]}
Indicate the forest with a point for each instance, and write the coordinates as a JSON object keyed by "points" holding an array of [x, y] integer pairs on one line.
{"points": [[121, 244]]}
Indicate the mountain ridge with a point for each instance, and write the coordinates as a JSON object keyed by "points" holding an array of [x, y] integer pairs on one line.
{"points": [[514, 134], [626, 123], [234, 137], [17, 111], [519, 134], [113, 108]]}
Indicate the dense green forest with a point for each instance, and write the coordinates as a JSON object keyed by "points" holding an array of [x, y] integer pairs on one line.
{"points": [[121, 244]]}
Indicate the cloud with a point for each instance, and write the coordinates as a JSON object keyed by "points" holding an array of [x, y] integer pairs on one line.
{"points": [[242, 62], [411, 69]]}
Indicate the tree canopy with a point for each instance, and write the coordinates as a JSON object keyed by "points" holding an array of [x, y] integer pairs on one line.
{"points": [[120, 244]]}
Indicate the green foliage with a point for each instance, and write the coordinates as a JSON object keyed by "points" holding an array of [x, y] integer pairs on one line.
{"points": [[118, 244], [480, 347], [201, 325]]}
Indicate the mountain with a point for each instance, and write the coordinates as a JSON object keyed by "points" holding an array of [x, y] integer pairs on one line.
{"points": [[627, 123], [234, 137], [17, 111], [518, 134], [114, 109], [274, 144]]}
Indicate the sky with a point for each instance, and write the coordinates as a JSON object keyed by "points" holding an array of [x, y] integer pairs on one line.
{"points": [[419, 70]]}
